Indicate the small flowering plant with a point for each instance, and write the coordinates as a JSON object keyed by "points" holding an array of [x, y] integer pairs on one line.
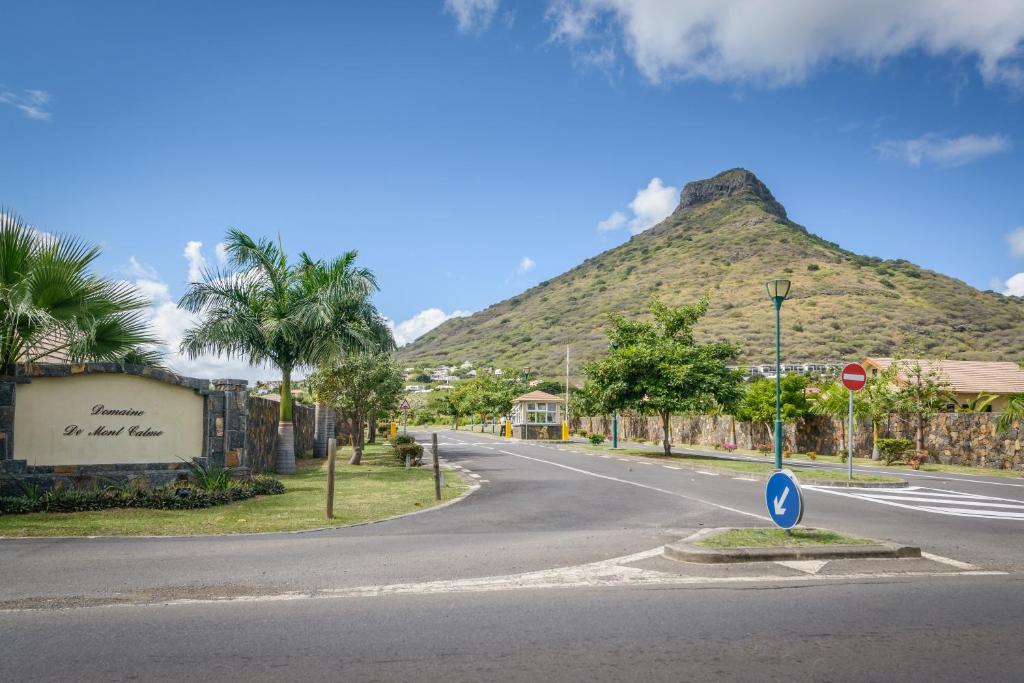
{"points": [[728, 446]]}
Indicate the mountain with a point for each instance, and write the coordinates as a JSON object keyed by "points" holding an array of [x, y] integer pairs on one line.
{"points": [[726, 238]]}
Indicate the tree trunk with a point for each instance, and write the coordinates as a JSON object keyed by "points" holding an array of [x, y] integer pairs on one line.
{"points": [[666, 432], [372, 428], [875, 455], [919, 432], [285, 452], [732, 428], [357, 438]]}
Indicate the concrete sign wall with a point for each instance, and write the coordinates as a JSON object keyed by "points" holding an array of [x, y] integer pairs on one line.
{"points": [[107, 419]]}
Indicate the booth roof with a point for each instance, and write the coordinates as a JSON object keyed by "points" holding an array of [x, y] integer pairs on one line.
{"points": [[538, 396]]}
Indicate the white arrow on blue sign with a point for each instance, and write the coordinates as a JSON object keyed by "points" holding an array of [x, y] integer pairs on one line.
{"points": [[783, 499]]}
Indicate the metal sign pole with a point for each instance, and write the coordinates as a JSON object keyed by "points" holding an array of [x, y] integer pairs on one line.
{"points": [[849, 448]]}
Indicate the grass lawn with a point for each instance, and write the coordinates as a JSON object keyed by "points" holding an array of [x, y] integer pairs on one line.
{"points": [[778, 538], [711, 463], [380, 487]]}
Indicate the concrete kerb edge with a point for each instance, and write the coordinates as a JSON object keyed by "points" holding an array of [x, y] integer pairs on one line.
{"points": [[686, 550], [471, 487]]}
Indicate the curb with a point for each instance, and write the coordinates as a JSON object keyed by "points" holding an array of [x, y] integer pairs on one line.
{"points": [[687, 551]]}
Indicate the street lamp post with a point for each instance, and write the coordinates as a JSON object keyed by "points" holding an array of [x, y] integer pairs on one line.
{"points": [[615, 429], [778, 290]]}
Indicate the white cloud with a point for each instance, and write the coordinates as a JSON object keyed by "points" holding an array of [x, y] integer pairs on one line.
{"points": [[941, 151], [31, 103], [221, 251], [168, 323], [526, 264], [421, 323], [652, 204], [472, 16], [1015, 285], [196, 261], [1016, 240], [649, 207], [615, 221], [784, 41]]}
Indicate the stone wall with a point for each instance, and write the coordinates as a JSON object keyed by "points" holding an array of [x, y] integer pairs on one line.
{"points": [[304, 419], [261, 433], [949, 438]]}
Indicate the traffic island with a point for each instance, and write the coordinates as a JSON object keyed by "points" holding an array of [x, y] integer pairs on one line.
{"points": [[730, 545]]}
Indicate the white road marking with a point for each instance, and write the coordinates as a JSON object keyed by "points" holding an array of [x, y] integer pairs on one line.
{"points": [[485, 481], [641, 462], [638, 484], [710, 474], [942, 501], [946, 560], [606, 457], [474, 475], [806, 566], [744, 479], [671, 467]]}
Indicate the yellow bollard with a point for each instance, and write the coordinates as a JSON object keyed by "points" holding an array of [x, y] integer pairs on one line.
{"points": [[565, 430], [394, 429], [508, 429]]}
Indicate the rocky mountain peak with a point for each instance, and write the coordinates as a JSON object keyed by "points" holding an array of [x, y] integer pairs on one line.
{"points": [[736, 181]]}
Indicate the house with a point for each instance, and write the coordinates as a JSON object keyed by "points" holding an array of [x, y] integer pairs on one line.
{"points": [[537, 415], [967, 378]]}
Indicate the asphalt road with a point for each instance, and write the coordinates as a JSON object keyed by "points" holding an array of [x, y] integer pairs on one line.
{"points": [[390, 601]]}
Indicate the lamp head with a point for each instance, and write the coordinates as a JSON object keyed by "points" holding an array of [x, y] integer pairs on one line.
{"points": [[778, 289]]}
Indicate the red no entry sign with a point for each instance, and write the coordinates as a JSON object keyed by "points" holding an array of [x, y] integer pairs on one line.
{"points": [[854, 376]]}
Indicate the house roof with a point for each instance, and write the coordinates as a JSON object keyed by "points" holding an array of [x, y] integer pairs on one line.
{"points": [[966, 376], [538, 396]]}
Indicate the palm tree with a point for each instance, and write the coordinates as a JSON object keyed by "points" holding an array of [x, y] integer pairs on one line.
{"points": [[290, 316], [1013, 412], [52, 309]]}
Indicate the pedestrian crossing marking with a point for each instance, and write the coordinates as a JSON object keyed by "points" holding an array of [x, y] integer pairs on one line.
{"points": [[935, 501]]}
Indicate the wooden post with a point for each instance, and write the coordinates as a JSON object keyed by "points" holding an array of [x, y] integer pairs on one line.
{"points": [[437, 466], [332, 447]]}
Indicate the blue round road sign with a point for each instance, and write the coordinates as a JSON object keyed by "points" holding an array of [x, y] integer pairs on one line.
{"points": [[783, 499]]}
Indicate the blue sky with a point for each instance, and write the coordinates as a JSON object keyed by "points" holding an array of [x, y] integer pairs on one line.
{"points": [[471, 148]]}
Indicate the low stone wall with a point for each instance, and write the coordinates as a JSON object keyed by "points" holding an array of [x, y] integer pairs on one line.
{"points": [[950, 438]]}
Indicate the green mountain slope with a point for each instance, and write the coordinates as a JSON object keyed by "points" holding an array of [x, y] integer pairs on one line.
{"points": [[727, 236]]}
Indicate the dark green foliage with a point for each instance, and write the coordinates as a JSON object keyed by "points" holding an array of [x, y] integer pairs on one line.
{"points": [[210, 477], [170, 497], [813, 267], [893, 450], [402, 439], [596, 439]]}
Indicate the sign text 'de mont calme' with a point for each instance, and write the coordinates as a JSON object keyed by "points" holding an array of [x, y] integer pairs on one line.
{"points": [[114, 430]]}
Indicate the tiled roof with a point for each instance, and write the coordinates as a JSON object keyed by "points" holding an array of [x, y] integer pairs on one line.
{"points": [[539, 396], [966, 376]]}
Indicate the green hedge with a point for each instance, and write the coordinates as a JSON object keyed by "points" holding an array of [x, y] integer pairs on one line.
{"points": [[170, 497]]}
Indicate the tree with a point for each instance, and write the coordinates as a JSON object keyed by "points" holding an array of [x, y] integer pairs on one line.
{"points": [[923, 392], [833, 400], [52, 307], [879, 400], [587, 401], [357, 385], [491, 395], [658, 368], [456, 402], [265, 310], [1013, 412], [757, 404]]}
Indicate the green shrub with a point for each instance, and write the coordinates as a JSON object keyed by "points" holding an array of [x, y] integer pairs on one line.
{"points": [[893, 450], [404, 439], [169, 497], [813, 267], [596, 439], [210, 477]]}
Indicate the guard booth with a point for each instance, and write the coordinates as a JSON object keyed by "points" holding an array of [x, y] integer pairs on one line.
{"points": [[537, 416]]}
